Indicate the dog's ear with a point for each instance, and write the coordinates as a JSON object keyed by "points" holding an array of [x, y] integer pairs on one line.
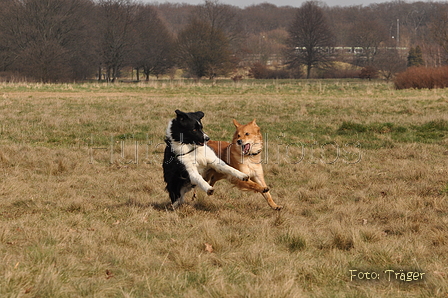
{"points": [[181, 115], [200, 114], [254, 123], [236, 123]]}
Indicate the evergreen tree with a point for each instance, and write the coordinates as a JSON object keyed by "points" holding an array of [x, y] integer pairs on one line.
{"points": [[415, 57]]}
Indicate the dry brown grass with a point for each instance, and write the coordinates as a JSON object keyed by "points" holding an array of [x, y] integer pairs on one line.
{"points": [[75, 225]]}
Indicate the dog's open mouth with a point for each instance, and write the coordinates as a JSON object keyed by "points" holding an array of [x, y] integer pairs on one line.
{"points": [[246, 148]]}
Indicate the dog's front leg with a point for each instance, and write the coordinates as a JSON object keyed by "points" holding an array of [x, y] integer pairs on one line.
{"points": [[222, 167], [266, 194], [196, 179]]}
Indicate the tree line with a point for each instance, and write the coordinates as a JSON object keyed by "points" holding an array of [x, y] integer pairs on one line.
{"points": [[56, 40], [66, 40]]}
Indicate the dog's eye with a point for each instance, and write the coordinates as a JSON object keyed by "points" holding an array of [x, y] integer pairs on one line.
{"points": [[239, 136], [247, 133], [194, 130]]}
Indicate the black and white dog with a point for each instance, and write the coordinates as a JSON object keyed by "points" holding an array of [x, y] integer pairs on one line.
{"points": [[187, 157]]}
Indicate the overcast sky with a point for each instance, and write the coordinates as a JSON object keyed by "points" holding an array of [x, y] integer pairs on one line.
{"points": [[294, 3]]}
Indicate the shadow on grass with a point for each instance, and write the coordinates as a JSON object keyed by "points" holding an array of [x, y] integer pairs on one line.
{"points": [[196, 204]]}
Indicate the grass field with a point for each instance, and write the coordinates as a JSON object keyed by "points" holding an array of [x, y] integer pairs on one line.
{"points": [[361, 168]]}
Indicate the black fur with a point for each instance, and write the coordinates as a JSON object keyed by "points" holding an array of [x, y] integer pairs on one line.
{"points": [[186, 128]]}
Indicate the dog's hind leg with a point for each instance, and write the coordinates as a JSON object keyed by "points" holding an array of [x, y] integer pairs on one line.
{"points": [[216, 177], [179, 200], [174, 193]]}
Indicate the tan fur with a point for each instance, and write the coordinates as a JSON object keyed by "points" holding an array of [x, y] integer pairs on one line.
{"points": [[247, 162]]}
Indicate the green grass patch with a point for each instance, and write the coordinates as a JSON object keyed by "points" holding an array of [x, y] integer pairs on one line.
{"points": [[429, 132]]}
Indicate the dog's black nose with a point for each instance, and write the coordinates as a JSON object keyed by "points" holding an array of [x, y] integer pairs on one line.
{"points": [[239, 142], [206, 138]]}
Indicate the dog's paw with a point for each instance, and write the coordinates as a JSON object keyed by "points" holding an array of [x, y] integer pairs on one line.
{"points": [[210, 191], [278, 207], [245, 177], [175, 205]]}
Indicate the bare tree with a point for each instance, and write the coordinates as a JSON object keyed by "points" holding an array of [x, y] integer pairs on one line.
{"points": [[116, 35], [266, 47], [203, 50], [266, 17], [340, 20], [367, 33], [154, 46], [389, 63], [309, 37], [176, 15], [7, 44], [42, 37], [221, 17], [227, 19], [439, 31]]}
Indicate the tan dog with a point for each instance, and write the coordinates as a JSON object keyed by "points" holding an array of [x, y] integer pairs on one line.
{"points": [[244, 154]]}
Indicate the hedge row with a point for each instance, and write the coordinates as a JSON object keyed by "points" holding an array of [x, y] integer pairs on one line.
{"points": [[260, 71], [422, 77]]}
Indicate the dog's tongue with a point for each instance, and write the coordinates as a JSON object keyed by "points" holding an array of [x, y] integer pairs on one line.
{"points": [[246, 148]]}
